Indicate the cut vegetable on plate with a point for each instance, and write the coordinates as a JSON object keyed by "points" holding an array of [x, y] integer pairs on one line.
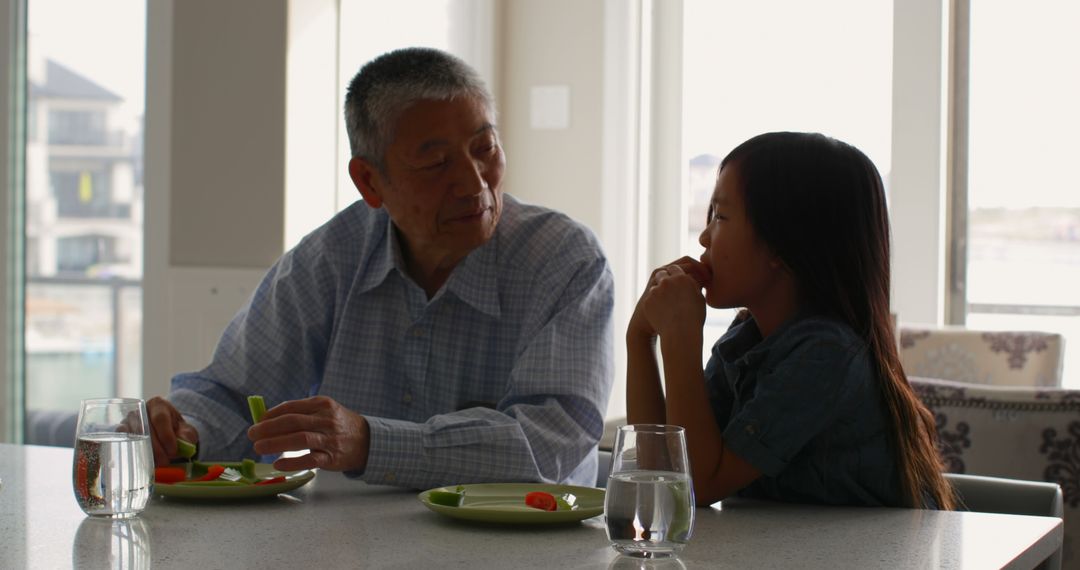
{"points": [[446, 498], [266, 481], [516, 503], [541, 500]]}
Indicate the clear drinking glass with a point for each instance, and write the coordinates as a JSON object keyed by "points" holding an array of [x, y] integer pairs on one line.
{"points": [[113, 469], [649, 507]]}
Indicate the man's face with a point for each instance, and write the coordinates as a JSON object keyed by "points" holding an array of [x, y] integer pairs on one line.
{"points": [[442, 180]]}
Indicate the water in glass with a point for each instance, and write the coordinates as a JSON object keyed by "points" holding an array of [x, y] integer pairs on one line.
{"points": [[649, 511], [113, 473], [649, 506]]}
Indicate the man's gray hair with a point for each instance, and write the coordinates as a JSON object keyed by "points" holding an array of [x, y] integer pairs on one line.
{"points": [[387, 85]]}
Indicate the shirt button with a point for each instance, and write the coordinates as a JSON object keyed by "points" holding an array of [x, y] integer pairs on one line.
{"points": [[751, 430], [418, 332], [390, 477], [407, 398]]}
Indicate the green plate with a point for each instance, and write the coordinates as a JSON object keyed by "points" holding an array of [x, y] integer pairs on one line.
{"points": [[505, 503], [293, 479]]}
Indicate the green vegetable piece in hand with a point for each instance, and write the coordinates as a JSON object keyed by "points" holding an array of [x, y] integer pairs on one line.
{"points": [[185, 448], [257, 406], [446, 498]]}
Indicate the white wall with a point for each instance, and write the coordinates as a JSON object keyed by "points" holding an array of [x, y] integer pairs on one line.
{"points": [[215, 171], [554, 43]]}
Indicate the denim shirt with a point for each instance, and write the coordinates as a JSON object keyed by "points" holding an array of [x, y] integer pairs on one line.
{"points": [[803, 407]]}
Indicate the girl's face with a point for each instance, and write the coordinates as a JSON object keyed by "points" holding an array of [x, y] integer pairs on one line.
{"points": [[745, 271]]}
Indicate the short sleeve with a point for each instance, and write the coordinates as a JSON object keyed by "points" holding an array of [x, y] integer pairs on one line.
{"points": [[795, 398], [716, 386]]}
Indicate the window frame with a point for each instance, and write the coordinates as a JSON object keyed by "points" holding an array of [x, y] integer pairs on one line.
{"points": [[12, 148]]}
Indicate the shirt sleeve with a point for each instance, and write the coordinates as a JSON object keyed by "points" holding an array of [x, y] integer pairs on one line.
{"points": [[273, 347], [793, 401], [547, 426]]}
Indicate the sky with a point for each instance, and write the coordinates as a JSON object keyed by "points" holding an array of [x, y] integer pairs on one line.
{"points": [[104, 40]]}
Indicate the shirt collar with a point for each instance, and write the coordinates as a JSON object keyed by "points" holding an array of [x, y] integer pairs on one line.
{"points": [[383, 260], [475, 280], [743, 344]]}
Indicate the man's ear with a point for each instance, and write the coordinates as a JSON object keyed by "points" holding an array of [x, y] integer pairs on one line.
{"points": [[366, 179]]}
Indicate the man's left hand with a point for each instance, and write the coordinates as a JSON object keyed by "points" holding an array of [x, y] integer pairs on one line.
{"points": [[336, 437]]}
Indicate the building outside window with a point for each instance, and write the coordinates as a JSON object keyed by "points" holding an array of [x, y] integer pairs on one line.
{"points": [[84, 203]]}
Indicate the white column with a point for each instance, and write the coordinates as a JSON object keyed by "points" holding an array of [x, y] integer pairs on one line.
{"points": [[917, 181]]}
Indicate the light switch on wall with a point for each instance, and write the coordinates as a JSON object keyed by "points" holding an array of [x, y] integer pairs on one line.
{"points": [[550, 107]]}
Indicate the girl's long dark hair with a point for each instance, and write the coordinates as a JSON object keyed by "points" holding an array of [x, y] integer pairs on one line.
{"points": [[820, 205]]}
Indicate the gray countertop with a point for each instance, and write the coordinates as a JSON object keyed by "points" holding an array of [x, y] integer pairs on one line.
{"points": [[334, 522]]}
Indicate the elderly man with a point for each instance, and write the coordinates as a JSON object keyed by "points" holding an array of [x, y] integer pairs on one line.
{"points": [[437, 332]]}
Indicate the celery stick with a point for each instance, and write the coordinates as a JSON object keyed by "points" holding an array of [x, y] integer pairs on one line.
{"points": [[446, 498], [257, 406], [247, 470]]}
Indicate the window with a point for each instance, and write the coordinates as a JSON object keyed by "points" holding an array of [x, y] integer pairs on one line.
{"points": [[76, 127], [81, 255], [83, 222], [755, 67], [1023, 197], [85, 194]]}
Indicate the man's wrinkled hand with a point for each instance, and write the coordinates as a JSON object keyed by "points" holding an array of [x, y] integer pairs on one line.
{"points": [[166, 424], [336, 437]]}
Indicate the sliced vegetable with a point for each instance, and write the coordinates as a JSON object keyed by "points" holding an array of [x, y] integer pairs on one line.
{"points": [[212, 473], [185, 448], [169, 474], [541, 500], [271, 481], [257, 407], [446, 498], [214, 483], [247, 469]]}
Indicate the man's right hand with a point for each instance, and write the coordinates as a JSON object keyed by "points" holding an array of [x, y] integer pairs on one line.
{"points": [[166, 424]]}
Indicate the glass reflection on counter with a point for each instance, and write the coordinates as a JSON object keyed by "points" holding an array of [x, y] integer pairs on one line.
{"points": [[112, 543]]}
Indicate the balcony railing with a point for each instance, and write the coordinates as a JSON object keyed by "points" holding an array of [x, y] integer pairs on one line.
{"points": [[83, 339]]}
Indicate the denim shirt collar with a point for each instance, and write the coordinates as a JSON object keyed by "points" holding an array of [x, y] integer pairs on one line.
{"points": [[742, 345]]}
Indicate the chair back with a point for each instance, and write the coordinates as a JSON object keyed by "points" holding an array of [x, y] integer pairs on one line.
{"points": [[51, 427], [983, 357], [1023, 433], [1011, 497]]}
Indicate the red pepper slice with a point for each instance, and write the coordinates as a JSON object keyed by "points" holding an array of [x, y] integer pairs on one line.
{"points": [[212, 472], [271, 481], [541, 500], [169, 474]]}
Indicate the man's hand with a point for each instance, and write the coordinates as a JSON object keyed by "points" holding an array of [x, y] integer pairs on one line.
{"points": [[166, 424], [336, 436]]}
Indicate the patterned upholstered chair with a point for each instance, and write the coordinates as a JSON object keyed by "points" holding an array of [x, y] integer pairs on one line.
{"points": [[1014, 432], [982, 357]]}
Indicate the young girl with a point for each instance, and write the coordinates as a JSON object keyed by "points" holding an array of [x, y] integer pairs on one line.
{"points": [[804, 398]]}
